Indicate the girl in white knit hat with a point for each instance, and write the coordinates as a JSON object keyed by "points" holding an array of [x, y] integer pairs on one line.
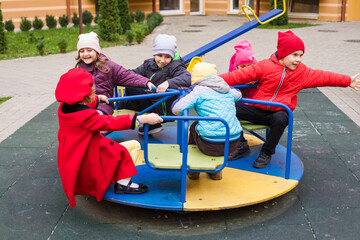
{"points": [[106, 74]]}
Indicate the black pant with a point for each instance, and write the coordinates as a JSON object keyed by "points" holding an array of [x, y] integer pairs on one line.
{"points": [[277, 121], [163, 108]]}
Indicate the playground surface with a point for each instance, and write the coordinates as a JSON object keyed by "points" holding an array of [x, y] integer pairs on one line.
{"points": [[325, 204]]}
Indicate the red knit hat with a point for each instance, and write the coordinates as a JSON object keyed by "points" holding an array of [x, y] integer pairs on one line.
{"points": [[288, 43], [74, 86]]}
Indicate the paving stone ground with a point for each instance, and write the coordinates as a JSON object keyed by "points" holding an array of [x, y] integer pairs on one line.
{"points": [[325, 205]]}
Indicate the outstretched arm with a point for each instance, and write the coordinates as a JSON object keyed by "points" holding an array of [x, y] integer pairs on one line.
{"points": [[151, 118], [355, 83]]}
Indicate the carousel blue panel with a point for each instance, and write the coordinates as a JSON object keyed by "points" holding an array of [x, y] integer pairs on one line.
{"points": [[275, 168], [164, 190]]}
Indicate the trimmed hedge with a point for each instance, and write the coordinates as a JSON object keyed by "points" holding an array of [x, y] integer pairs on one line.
{"points": [[37, 23], [109, 21]]}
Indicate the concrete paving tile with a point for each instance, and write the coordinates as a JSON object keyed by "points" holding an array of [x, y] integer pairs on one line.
{"points": [[2, 190], [45, 165], [335, 223], [44, 124], [76, 230], [313, 149], [10, 174], [329, 168], [188, 226], [307, 100], [108, 213], [330, 115], [271, 232], [19, 156], [356, 173], [326, 193], [36, 190], [76, 223], [39, 139], [344, 143], [27, 221], [282, 210], [343, 127], [351, 159], [144, 223], [303, 134], [46, 169], [190, 234]]}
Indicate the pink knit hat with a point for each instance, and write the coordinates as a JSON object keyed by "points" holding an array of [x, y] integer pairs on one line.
{"points": [[89, 40], [288, 43], [244, 53]]}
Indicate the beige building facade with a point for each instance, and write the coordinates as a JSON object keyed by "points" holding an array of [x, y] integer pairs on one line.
{"points": [[316, 10]]}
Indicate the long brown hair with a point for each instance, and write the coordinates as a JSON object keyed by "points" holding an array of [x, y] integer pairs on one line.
{"points": [[100, 63], [89, 98]]}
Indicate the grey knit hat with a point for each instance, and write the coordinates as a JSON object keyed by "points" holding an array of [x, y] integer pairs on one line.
{"points": [[164, 44]]}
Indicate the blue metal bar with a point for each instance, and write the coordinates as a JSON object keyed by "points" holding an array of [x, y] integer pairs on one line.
{"points": [[143, 96], [154, 105], [168, 94], [185, 128], [184, 147], [230, 36], [290, 128], [245, 86], [116, 95], [184, 140], [258, 136]]}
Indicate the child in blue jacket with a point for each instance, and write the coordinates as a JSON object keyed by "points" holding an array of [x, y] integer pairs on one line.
{"points": [[210, 96]]}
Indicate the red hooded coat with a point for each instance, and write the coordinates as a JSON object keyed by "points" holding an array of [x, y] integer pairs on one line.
{"points": [[279, 84], [89, 162]]}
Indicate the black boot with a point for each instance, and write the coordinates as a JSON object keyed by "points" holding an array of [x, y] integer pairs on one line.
{"points": [[262, 160], [242, 151]]}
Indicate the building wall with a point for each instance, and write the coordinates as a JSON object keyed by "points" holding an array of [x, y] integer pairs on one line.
{"points": [[143, 5], [14, 10], [352, 10], [218, 7], [330, 10], [186, 6]]}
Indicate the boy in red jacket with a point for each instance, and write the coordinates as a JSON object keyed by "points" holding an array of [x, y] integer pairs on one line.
{"points": [[280, 77], [89, 162]]}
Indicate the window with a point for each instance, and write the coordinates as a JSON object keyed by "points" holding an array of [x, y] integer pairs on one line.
{"points": [[195, 7], [168, 7], [304, 8], [235, 8]]}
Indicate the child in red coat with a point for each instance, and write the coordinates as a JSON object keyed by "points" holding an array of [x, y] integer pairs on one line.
{"points": [[89, 162], [280, 77]]}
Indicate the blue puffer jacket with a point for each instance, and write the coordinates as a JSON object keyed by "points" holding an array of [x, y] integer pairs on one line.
{"points": [[211, 97]]}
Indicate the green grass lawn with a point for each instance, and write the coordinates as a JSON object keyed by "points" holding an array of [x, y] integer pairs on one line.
{"points": [[287, 26], [19, 44], [3, 99]]}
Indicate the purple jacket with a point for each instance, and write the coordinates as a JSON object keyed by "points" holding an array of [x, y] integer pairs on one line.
{"points": [[105, 82]]}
